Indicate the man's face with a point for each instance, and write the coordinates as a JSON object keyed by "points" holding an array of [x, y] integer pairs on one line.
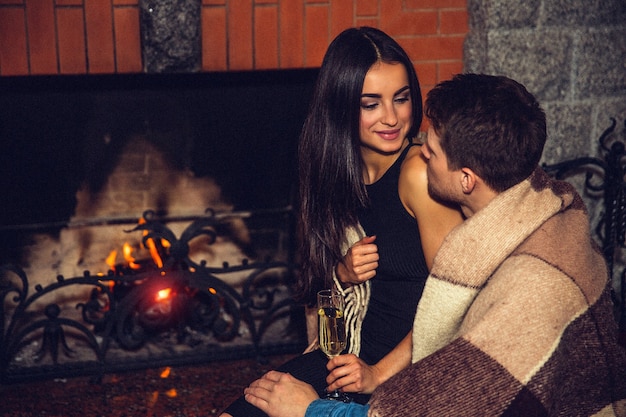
{"points": [[441, 183]]}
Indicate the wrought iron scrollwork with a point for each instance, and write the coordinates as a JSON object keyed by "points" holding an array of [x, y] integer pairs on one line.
{"points": [[606, 177], [20, 329], [126, 311]]}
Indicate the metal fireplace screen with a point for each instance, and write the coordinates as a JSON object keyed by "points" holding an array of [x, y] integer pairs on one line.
{"points": [[171, 312]]}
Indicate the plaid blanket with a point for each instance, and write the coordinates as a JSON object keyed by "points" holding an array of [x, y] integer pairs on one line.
{"points": [[516, 317]]}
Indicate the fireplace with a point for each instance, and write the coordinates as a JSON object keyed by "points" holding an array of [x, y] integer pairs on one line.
{"points": [[198, 167]]}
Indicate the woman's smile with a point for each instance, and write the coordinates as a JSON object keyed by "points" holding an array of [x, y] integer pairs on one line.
{"points": [[389, 134]]}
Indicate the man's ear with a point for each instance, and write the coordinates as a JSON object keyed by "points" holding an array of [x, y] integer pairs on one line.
{"points": [[468, 180]]}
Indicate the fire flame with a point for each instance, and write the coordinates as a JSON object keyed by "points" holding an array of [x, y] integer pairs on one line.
{"points": [[110, 260], [154, 253], [163, 294], [152, 247], [127, 250], [130, 258]]}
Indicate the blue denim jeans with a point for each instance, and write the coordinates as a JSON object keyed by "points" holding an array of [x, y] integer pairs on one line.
{"points": [[330, 408]]}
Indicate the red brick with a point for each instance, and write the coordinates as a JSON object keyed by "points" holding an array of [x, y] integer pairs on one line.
{"points": [[316, 35], [412, 47], [366, 7], [426, 73], [13, 59], [291, 34], [448, 69], [372, 22], [391, 8], [453, 21], [341, 16], [434, 48], [411, 23], [239, 34], [100, 48], [71, 39], [214, 51], [265, 38], [301, 33], [41, 36], [426, 89], [434, 4], [127, 39]]}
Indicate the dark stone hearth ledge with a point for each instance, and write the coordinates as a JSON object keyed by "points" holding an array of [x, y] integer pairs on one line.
{"points": [[170, 34]]}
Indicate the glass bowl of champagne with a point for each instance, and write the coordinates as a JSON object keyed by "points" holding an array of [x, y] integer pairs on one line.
{"points": [[332, 330]]}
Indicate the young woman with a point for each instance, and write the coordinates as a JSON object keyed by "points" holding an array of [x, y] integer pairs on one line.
{"points": [[366, 222]]}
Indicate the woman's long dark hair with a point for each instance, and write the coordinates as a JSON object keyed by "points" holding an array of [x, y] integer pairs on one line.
{"points": [[330, 166]]}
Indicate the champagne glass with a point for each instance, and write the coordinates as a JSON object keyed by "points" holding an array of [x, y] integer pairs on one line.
{"points": [[332, 329]]}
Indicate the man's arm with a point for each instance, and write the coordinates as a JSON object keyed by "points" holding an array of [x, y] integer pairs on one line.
{"points": [[281, 395]]}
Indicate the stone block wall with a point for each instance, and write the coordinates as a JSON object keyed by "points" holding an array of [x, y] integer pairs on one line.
{"points": [[570, 53]]}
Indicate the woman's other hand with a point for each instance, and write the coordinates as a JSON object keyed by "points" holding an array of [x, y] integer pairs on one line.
{"points": [[349, 373], [360, 262]]}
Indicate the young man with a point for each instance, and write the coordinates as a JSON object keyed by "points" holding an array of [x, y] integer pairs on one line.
{"points": [[516, 316]]}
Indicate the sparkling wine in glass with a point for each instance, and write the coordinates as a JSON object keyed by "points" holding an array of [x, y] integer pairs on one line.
{"points": [[332, 329]]}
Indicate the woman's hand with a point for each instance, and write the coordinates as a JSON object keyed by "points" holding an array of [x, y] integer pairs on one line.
{"points": [[349, 373], [360, 262], [280, 395]]}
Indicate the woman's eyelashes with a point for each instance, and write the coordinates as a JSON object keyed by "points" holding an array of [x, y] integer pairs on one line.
{"points": [[372, 104], [402, 99], [369, 105]]}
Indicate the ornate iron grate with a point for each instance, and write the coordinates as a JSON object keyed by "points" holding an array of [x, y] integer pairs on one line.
{"points": [[606, 178], [183, 312]]}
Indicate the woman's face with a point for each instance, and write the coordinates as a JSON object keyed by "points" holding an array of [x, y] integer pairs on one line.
{"points": [[386, 107]]}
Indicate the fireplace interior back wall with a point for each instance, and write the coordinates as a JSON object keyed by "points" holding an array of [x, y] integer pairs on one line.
{"points": [[61, 133]]}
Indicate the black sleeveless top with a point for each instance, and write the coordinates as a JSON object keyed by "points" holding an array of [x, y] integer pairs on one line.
{"points": [[396, 288], [402, 270]]}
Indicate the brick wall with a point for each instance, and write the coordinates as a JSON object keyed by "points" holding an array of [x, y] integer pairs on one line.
{"points": [[94, 37]]}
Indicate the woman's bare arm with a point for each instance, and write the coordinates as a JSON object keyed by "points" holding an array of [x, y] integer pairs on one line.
{"points": [[434, 219]]}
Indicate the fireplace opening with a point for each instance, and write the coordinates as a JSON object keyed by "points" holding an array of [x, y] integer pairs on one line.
{"points": [[92, 164], [62, 133]]}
